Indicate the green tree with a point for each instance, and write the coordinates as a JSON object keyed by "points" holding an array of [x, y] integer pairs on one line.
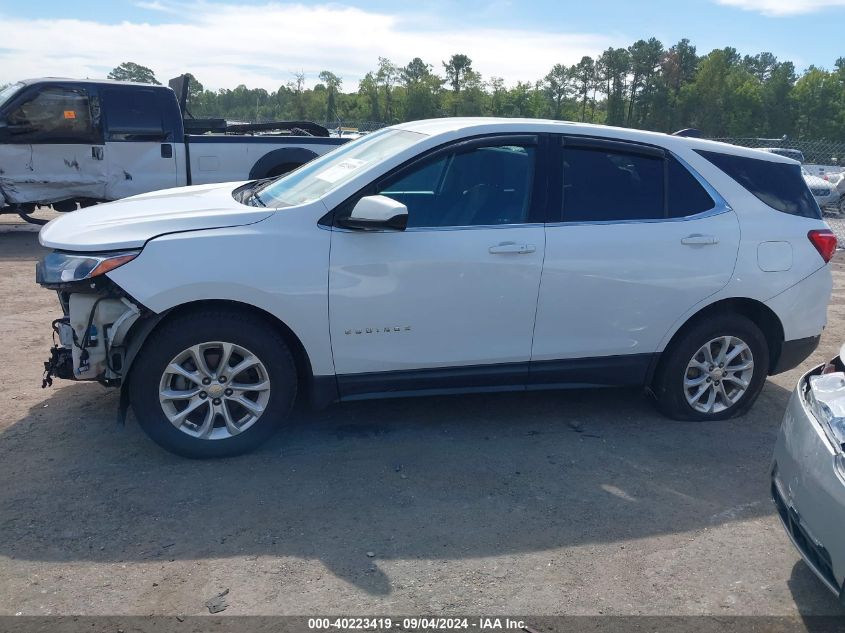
{"points": [[645, 58], [777, 100], [421, 89], [498, 96], [725, 99], [816, 97], [297, 90], [386, 77], [761, 65], [613, 69], [130, 71], [332, 83], [584, 76], [558, 88], [368, 89], [458, 73]]}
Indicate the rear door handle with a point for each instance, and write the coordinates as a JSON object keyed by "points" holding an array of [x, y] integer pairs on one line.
{"points": [[512, 247], [698, 239]]}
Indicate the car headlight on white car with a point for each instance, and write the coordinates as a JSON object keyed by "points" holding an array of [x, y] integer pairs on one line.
{"points": [[59, 268], [826, 398]]}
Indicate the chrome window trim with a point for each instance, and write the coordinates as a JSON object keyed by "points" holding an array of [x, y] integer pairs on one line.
{"points": [[426, 229], [717, 210]]}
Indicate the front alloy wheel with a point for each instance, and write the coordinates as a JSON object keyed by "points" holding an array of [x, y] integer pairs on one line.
{"points": [[214, 390], [213, 383]]}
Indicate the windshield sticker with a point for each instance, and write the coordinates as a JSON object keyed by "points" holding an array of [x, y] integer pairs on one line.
{"points": [[339, 171]]}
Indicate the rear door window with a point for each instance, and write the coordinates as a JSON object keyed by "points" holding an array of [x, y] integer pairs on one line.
{"points": [[779, 185], [686, 195], [134, 114], [606, 180], [601, 185], [53, 115]]}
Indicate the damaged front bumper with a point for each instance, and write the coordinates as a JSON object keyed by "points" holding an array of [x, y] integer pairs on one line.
{"points": [[90, 338]]}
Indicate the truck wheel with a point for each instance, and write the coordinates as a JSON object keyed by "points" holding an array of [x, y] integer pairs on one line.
{"points": [[714, 371], [281, 170], [213, 384]]}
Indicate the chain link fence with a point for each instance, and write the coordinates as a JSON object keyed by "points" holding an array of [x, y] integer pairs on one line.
{"points": [[361, 127], [814, 152]]}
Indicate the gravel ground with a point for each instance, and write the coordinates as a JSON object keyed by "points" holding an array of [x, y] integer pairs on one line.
{"points": [[579, 502], [837, 225]]}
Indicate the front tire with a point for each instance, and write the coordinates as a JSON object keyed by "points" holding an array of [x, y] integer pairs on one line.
{"points": [[713, 371], [213, 383]]}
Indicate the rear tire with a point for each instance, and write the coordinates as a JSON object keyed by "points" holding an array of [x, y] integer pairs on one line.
{"points": [[181, 366], [690, 384]]}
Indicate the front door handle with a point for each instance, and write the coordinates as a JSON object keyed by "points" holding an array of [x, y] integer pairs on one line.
{"points": [[512, 247], [697, 239], [97, 152]]}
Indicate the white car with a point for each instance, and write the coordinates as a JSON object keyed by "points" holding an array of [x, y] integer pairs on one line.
{"points": [[445, 256], [808, 471], [825, 193]]}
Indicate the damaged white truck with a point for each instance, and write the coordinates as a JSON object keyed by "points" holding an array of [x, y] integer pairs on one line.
{"points": [[69, 143]]}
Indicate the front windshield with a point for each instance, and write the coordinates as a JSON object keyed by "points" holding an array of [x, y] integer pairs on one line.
{"points": [[7, 92], [317, 178]]}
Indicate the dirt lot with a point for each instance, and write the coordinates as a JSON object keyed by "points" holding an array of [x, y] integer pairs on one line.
{"points": [[581, 502]]}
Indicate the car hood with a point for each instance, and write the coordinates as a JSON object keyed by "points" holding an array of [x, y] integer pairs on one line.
{"points": [[131, 222]]}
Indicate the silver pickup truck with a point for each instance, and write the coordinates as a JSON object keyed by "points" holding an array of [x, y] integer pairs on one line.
{"points": [[67, 143]]}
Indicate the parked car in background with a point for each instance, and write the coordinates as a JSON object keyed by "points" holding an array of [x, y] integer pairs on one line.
{"points": [[808, 472], [67, 143], [837, 180], [825, 193], [410, 261]]}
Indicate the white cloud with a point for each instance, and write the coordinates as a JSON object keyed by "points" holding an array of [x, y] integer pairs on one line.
{"points": [[779, 8], [261, 46]]}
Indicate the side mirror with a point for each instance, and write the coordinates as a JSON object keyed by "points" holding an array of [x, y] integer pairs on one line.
{"points": [[377, 212]]}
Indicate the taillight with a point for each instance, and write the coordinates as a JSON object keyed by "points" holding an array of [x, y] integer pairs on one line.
{"points": [[825, 242]]}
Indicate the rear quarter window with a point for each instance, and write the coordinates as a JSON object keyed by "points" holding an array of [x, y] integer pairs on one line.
{"points": [[779, 185]]}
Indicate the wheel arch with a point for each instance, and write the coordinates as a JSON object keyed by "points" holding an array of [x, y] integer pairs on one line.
{"points": [[319, 392], [756, 311], [265, 165]]}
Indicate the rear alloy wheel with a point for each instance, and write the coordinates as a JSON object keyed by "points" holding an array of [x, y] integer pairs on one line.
{"points": [[713, 371], [719, 374], [213, 383]]}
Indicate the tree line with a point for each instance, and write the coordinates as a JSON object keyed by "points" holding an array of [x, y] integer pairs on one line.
{"points": [[644, 85]]}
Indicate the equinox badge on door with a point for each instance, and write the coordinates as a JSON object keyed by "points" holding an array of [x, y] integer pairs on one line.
{"points": [[379, 330]]}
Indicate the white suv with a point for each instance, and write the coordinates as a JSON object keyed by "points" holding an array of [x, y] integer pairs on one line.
{"points": [[445, 256]]}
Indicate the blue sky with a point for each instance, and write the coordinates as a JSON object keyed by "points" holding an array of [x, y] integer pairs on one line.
{"points": [[262, 43]]}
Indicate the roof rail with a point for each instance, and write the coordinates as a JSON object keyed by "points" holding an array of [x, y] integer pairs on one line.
{"points": [[688, 131]]}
